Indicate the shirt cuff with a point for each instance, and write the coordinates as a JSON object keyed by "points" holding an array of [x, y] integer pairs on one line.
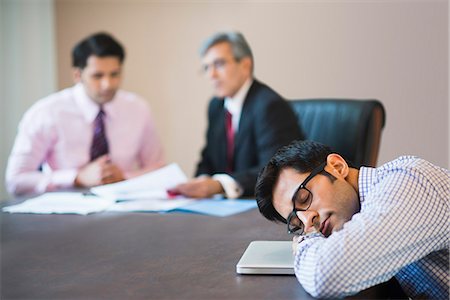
{"points": [[231, 187], [62, 179]]}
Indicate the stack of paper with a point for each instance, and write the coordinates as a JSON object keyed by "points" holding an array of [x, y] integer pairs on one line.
{"points": [[153, 185], [147, 192]]}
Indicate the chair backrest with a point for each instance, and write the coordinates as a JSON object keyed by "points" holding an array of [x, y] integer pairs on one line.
{"points": [[350, 127]]}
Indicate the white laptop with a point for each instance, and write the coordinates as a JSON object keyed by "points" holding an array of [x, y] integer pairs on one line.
{"points": [[267, 257]]}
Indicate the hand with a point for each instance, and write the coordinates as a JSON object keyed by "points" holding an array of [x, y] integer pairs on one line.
{"points": [[200, 187], [97, 172], [111, 173], [295, 241]]}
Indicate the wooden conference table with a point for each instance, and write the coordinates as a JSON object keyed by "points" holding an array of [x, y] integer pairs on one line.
{"points": [[139, 256]]}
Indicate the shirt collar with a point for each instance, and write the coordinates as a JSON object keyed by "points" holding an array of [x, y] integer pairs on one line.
{"points": [[234, 104], [88, 107], [367, 177]]}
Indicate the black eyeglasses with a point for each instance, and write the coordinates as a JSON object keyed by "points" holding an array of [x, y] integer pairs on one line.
{"points": [[301, 201]]}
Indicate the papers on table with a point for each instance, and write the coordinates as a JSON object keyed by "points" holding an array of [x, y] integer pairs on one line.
{"points": [[61, 203], [153, 185], [146, 193], [78, 203]]}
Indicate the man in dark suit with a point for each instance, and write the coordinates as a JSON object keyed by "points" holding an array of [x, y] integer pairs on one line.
{"points": [[248, 122]]}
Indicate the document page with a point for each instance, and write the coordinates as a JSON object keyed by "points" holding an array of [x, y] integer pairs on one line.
{"points": [[152, 185], [61, 203]]}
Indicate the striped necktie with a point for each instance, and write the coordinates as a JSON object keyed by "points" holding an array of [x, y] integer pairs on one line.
{"points": [[99, 145]]}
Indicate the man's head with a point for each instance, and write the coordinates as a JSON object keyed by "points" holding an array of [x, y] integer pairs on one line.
{"points": [[97, 62], [227, 61], [325, 201]]}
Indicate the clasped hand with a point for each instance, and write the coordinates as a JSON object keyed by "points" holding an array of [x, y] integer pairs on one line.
{"points": [[98, 172]]}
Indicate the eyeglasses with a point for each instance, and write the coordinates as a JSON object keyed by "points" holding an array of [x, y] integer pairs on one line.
{"points": [[301, 201], [218, 65]]}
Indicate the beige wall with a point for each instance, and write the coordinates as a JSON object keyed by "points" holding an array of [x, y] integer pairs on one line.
{"points": [[395, 51]]}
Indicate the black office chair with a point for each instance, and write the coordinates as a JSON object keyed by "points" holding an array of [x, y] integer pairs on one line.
{"points": [[350, 127]]}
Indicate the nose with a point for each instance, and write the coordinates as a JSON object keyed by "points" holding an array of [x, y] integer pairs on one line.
{"points": [[106, 83], [310, 219]]}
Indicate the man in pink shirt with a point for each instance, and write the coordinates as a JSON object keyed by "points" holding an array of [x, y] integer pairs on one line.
{"points": [[56, 146]]}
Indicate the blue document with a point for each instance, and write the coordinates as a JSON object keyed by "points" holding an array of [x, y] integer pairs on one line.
{"points": [[219, 207]]}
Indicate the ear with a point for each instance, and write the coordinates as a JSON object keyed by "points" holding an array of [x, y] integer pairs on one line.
{"points": [[337, 166], [76, 75], [246, 63]]}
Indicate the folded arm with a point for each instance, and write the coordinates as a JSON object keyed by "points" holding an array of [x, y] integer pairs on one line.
{"points": [[375, 244]]}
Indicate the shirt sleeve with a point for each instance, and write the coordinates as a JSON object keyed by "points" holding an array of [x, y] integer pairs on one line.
{"points": [[34, 140], [231, 187], [398, 226]]}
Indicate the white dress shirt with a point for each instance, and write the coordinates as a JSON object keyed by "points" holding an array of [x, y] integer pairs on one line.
{"points": [[234, 106], [57, 132]]}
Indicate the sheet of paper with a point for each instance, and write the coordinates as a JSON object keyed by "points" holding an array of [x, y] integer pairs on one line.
{"points": [[61, 203], [149, 205], [142, 195], [219, 208], [152, 185]]}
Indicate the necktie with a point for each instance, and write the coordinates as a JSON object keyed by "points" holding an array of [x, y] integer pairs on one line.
{"points": [[230, 140], [99, 145]]}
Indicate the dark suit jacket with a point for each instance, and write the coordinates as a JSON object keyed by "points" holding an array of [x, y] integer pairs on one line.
{"points": [[267, 123]]}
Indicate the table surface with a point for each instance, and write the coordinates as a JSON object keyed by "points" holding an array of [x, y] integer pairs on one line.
{"points": [[138, 256]]}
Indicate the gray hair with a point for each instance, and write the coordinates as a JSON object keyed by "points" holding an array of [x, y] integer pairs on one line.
{"points": [[237, 41]]}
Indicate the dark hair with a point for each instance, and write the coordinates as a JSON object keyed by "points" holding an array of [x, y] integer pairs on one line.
{"points": [[99, 44], [302, 156]]}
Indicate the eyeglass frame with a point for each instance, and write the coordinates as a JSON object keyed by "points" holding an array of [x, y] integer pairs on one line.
{"points": [[314, 172], [218, 64]]}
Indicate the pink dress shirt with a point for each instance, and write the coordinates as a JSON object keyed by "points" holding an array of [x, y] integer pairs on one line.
{"points": [[56, 132]]}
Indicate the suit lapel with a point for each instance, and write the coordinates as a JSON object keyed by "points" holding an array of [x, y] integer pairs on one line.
{"points": [[246, 119]]}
